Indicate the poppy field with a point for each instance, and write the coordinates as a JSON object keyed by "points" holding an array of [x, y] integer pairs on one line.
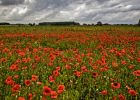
{"points": [[70, 63]]}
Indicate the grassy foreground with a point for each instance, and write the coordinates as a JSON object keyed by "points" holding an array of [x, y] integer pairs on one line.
{"points": [[69, 63]]}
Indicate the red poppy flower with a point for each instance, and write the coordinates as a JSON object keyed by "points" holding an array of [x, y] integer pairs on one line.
{"points": [[104, 92], [56, 73], [53, 94], [58, 68], [132, 92], [16, 88], [14, 67], [121, 97], [21, 98], [27, 82], [18, 61], [115, 85], [131, 66], [138, 59], [37, 58], [47, 90], [24, 60], [3, 60], [84, 69], [114, 64], [123, 51], [95, 67], [51, 79], [34, 77], [60, 88], [35, 50], [5, 50], [118, 53], [28, 59], [16, 76], [114, 98], [21, 53], [136, 73], [9, 81], [95, 74], [104, 69], [50, 63], [68, 67], [123, 62], [30, 96], [77, 73], [43, 98], [111, 51]]}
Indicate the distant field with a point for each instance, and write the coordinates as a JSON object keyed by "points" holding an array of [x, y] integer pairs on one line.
{"points": [[44, 29], [69, 62]]}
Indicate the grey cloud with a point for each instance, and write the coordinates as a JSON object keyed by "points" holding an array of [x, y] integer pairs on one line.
{"points": [[11, 2], [78, 10]]}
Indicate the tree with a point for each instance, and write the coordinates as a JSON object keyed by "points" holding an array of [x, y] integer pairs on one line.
{"points": [[4, 23], [139, 23], [99, 23]]}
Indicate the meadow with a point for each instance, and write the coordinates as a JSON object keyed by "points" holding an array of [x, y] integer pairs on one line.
{"points": [[69, 62]]}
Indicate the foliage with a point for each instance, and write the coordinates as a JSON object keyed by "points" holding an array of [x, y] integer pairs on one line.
{"points": [[69, 63]]}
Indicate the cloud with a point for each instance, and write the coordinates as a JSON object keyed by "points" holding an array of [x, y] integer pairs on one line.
{"points": [[11, 2], [87, 11]]}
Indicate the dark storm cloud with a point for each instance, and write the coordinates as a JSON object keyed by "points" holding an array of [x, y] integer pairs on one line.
{"points": [[11, 2], [89, 11]]}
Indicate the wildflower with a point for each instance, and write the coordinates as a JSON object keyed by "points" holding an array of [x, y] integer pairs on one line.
{"points": [[114, 98], [84, 69], [77, 73], [60, 88], [24, 60], [136, 73], [56, 73], [104, 92], [30, 96], [138, 59], [53, 94], [51, 79], [123, 51], [35, 50], [118, 53], [13, 67], [16, 88], [114, 64], [115, 85], [95, 74], [9, 80], [21, 98], [47, 90], [21, 53], [121, 97], [68, 67], [37, 58], [95, 67], [3, 60], [131, 66], [58, 68], [123, 62], [16, 76], [132, 92], [5, 50], [34, 77], [27, 82]]}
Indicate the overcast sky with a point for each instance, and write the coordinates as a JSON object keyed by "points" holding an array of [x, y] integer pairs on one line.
{"points": [[83, 11]]}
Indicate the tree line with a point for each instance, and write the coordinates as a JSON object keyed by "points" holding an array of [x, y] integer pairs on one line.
{"points": [[99, 23]]}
